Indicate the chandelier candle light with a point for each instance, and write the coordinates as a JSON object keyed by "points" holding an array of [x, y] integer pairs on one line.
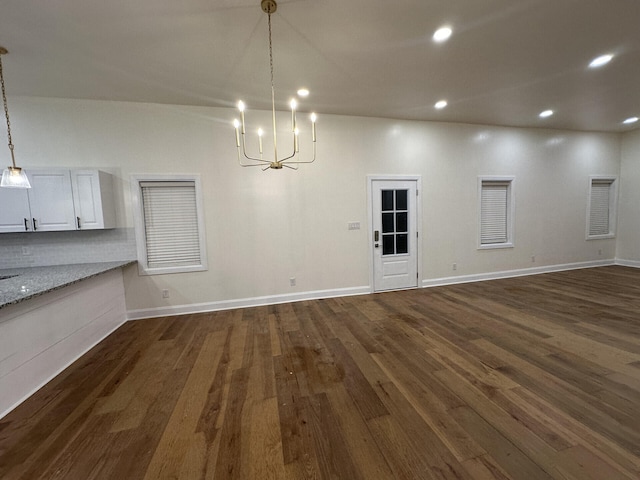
{"points": [[269, 7], [12, 177]]}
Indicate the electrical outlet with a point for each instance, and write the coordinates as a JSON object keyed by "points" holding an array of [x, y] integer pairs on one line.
{"points": [[292, 281], [354, 225], [533, 258], [455, 266], [165, 293], [599, 251], [26, 250]]}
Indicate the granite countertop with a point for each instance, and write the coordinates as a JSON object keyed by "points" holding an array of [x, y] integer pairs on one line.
{"points": [[30, 282]]}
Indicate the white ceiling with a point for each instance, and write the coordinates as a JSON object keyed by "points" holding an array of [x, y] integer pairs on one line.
{"points": [[506, 62]]}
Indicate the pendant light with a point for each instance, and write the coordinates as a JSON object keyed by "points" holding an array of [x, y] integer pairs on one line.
{"points": [[292, 160], [13, 176]]}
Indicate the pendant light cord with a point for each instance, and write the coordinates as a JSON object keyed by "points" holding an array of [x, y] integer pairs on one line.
{"points": [[6, 114]]}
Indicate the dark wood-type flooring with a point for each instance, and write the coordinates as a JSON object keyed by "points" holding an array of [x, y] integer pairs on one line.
{"points": [[528, 378]]}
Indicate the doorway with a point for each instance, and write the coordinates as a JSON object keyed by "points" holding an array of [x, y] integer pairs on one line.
{"points": [[394, 231]]}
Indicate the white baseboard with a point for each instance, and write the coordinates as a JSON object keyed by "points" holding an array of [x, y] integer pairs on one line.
{"points": [[628, 263], [244, 303], [343, 292], [479, 277]]}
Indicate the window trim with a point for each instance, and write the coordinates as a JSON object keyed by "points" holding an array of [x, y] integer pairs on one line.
{"points": [[511, 207], [139, 226], [613, 203]]}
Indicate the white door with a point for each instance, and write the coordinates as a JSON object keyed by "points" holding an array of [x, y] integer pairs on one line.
{"points": [[85, 185], [395, 231], [51, 200]]}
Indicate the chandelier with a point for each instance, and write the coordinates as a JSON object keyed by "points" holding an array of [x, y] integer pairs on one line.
{"points": [[12, 177], [292, 160]]}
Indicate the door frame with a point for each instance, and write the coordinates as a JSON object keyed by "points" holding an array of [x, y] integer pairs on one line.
{"points": [[370, 180]]}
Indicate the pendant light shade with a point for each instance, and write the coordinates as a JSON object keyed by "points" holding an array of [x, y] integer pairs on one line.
{"points": [[14, 177]]}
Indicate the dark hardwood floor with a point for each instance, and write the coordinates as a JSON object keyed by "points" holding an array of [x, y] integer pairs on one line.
{"points": [[528, 378]]}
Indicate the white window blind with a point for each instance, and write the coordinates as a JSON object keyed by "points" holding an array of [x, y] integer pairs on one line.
{"points": [[171, 224], [599, 213], [494, 199]]}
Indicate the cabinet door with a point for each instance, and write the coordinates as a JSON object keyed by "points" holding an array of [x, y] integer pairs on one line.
{"points": [[93, 199], [15, 215], [51, 200]]}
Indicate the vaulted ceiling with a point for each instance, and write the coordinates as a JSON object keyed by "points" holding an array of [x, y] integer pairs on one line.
{"points": [[506, 61]]}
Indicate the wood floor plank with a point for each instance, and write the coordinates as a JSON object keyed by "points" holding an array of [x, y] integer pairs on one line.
{"points": [[432, 410], [513, 430], [584, 408], [366, 455], [579, 463], [522, 378], [168, 456], [265, 441], [512, 459], [579, 434]]}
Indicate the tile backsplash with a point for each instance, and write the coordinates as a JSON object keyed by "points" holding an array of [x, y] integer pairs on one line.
{"points": [[59, 248]]}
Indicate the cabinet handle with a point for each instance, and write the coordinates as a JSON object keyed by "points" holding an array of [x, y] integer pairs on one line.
{"points": [[26, 224], [78, 222], [35, 225]]}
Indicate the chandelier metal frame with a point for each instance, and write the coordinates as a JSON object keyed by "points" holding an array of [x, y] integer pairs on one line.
{"points": [[290, 161]]}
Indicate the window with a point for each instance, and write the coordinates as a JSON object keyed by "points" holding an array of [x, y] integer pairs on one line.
{"points": [[169, 224], [395, 224], [496, 212], [601, 208]]}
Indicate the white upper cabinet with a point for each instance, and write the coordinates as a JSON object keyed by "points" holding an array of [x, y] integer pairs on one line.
{"points": [[93, 199], [51, 200], [59, 199]]}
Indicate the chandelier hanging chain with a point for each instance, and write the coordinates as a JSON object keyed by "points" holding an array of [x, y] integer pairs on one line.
{"points": [[6, 112], [273, 91], [270, 52]]}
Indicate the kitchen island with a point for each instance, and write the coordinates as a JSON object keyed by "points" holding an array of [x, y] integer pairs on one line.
{"points": [[49, 317]]}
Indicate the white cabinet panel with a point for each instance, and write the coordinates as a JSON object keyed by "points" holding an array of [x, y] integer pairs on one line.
{"points": [[93, 199], [51, 200], [15, 215]]}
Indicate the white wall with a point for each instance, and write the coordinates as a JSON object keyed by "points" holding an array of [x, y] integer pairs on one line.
{"points": [[265, 227], [628, 248]]}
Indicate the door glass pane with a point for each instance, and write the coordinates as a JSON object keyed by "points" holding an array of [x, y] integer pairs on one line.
{"points": [[387, 200], [388, 245], [401, 222], [387, 223], [402, 244], [401, 199]]}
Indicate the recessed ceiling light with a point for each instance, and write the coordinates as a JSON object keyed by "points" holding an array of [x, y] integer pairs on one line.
{"points": [[303, 92], [442, 34], [546, 113], [630, 120], [441, 104], [601, 60]]}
